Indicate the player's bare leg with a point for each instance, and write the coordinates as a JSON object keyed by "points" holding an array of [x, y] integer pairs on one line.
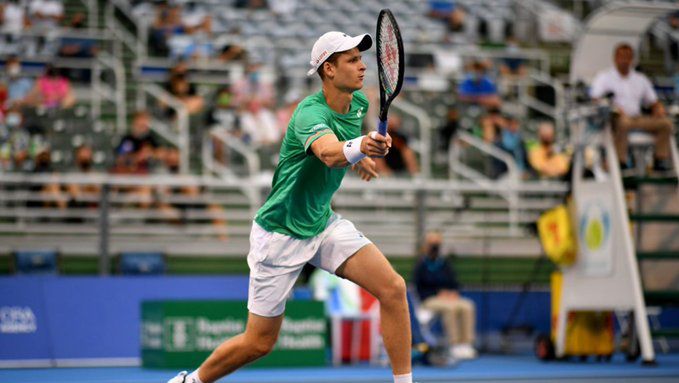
{"points": [[370, 269], [258, 340]]}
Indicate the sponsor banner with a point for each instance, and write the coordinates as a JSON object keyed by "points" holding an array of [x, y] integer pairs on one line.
{"points": [[180, 334], [48, 319]]}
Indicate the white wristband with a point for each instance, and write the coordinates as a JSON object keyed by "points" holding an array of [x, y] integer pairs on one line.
{"points": [[352, 150]]}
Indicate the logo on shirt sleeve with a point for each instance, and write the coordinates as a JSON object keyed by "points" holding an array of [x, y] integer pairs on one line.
{"points": [[318, 127], [360, 112]]}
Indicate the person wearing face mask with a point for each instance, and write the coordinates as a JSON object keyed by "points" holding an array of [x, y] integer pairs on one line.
{"points": [[478, 88], [18, 86], [438, 289], [544, 157]]}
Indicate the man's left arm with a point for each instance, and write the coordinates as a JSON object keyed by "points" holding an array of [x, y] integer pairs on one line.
{"points": [[650, 98]]}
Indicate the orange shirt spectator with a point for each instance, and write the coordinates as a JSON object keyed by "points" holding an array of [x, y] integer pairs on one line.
{"points": [[544, 158]]}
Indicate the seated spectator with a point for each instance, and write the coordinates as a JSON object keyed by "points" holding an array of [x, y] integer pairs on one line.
{"points": [[84, 162], [478, 88], [258, 123], [46, 14], [52, 90], [178, 211], [401, 160], [284, 113], [253, 86], [16, 142], [181, 89], [504, 132], [450, 126], [231, 53], [513, 67], [78, 47], [195, 19], [544, 157], [437, 286], [448, 12], [13, 17], [166, 24], [631, 90], [52, 192], [18, 86], [137, 149]]}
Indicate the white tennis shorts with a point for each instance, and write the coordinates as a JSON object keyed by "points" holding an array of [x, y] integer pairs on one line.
{"points": [[276, 260]]}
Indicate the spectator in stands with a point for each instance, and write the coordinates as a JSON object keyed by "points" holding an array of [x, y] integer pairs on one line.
{"points": [[253, 86], [259, 124], [46, 14], [137, 149], [179, 211], [448, 12], [52, 90], [631, 90], [450, 126], [13, 16], [401, 160], [166, 24], [51, 191], [185, 92], [18, 86], [195, 19], [80, 195], [437, 286], [285, 112], [232, 53], [513, 67], [78, 47], [545, 157], [478, 88], [504, 132], [16, 142]]}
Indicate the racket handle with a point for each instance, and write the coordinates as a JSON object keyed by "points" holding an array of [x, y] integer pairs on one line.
{"points": [[382, 128]]}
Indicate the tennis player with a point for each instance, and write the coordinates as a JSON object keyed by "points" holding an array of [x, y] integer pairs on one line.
{"points": [[296, 224]]}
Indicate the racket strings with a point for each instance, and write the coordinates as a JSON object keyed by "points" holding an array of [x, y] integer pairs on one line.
{"points": [[389, 56]]}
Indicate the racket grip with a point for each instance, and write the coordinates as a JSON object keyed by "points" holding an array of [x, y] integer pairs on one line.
{"points": [[382, 127]]}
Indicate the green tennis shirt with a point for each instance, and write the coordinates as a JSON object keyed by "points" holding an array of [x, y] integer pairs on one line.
{"points": [[303, 186]]}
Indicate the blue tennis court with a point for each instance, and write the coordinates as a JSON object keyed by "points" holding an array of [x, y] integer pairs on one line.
{"points": [[523, 368]]}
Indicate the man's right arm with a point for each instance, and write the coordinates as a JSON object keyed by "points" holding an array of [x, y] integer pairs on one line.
{"points": [[331, 151]]}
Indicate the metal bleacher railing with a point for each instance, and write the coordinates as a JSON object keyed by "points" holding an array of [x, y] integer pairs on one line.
{"points": [[114, 216]]}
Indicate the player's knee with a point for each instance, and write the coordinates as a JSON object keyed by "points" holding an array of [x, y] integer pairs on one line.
{"points": [[394, 290], [262, 347]]}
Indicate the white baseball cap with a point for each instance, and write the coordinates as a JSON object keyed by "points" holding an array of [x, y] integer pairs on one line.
{"points": [[332, 42]]}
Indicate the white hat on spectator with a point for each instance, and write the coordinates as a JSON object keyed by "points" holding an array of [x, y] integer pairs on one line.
{"points": [[332, 42]]}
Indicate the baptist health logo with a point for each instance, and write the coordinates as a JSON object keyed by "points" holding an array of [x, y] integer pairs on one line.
{"points": [[179, 334], [17, 320], [594, 227]]}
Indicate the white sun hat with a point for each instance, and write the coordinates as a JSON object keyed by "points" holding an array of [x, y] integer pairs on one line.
{"points": [[332, 42]]}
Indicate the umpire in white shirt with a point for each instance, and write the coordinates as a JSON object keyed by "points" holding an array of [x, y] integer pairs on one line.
{"points": [[631, 91]]}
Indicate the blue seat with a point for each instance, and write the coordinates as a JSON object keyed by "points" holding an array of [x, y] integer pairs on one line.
{"points": [[142, 263], [35, 261]]}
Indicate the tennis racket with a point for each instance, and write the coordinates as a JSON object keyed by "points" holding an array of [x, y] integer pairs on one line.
{"points": [[390, 64]]}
